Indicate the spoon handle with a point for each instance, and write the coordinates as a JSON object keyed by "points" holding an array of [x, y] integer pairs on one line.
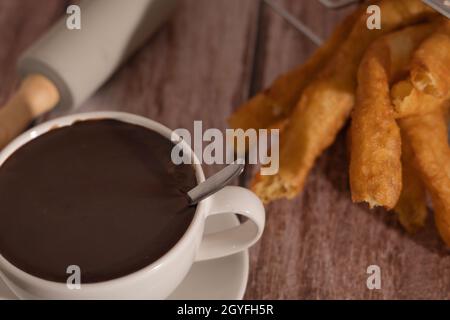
{"points": [[215, 182]]}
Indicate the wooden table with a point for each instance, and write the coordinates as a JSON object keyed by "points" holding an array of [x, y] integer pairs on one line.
{"points": [[210, 57]]}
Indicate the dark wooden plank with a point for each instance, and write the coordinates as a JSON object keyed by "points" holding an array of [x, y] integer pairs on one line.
{"points": [[319, 245]]}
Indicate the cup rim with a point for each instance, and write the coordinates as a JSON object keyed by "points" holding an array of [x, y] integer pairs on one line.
{"points": [[126, 117]]}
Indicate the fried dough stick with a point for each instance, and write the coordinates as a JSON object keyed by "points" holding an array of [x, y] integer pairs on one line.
{"points": [[274, 104], [427, 135], [430, 67], [411, 207], [326, 103], [375, 165]]}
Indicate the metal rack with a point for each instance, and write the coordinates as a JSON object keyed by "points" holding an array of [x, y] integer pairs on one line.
{"points": [[337, 4], [442, 6], [302, 27]]}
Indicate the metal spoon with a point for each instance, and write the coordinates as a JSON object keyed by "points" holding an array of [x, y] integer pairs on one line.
{"points": [[215, 182]]}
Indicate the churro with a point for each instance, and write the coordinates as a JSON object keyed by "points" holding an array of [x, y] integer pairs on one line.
{"points": [[375, 166], [327, 101], [427, 135], [430, 68]]}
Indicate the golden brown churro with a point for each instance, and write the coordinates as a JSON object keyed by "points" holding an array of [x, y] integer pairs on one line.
{"points": [[424, 126], [427, 135], [375, 166], [411, 207], [326, 103], [430, 68], [275, 103]]}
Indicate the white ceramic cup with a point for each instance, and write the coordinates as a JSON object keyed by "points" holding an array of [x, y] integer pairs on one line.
{"points": [[159, 279]]}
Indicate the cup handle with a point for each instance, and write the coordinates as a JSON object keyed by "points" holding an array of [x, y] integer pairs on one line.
{"points": [[233, 200]]}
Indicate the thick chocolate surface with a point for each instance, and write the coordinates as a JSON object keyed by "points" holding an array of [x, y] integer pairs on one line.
{"points": [[101, 194]]}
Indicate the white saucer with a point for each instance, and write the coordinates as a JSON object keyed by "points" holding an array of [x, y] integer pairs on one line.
{"points": [[224, 278], [218, 279]]}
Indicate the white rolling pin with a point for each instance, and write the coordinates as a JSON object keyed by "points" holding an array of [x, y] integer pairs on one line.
{"points": [[64, 67]]}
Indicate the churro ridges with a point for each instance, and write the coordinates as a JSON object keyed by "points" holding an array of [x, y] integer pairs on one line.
{"points": [[375, 166], [375, 169]]}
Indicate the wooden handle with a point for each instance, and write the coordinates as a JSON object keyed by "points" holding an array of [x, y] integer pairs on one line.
{"points": [[36, 95]]}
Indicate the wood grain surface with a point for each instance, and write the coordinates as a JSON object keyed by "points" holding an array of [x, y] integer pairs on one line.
{"points": [[210, 57]]}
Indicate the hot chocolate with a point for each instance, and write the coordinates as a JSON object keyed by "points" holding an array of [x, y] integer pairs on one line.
{"points": [[102, 194]]}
